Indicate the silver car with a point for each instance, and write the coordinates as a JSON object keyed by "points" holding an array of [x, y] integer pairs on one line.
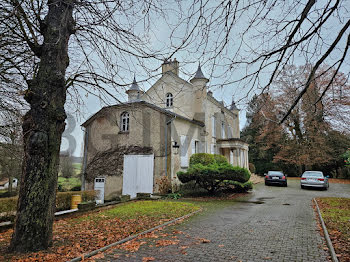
{"points": [[314, 179]]}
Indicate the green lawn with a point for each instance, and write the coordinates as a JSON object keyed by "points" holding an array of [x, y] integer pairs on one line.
{"points": [[68, 184], [77, 168]]}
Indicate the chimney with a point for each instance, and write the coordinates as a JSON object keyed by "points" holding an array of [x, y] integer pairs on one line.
{"points": [[170, 66]]}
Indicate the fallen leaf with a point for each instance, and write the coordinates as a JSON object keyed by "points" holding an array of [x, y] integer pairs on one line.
{"points": [[146, 259], [204, 240]]}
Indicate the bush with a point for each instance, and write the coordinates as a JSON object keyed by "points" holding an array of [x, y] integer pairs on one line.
{"points": [[76, 188], [211, 176], [220, 159], [207, 159], [252, 168], [202, 158], [8, 205], [8, 194], [63, 201], [239, 187]]}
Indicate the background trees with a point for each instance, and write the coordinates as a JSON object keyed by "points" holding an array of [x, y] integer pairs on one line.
{"points": [[310, 137]]}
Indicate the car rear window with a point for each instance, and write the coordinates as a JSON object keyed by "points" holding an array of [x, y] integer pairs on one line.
{"points": [[313, 174], [275, 173]]}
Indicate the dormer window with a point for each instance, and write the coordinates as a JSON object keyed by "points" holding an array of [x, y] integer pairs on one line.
{"points": [[169, 100], [125, 122]]}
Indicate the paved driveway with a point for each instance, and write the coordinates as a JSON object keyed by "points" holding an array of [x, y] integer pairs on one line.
{"points": [[272, 224]]}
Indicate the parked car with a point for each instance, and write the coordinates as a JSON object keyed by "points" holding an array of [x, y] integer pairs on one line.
{"points": [[275, 178], [314, 179]]}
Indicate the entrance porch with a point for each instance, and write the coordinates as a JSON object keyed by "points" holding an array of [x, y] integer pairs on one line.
{"points": [[235, 150]]}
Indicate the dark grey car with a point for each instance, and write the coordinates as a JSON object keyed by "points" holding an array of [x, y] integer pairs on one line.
{"points": [[275, 178]]}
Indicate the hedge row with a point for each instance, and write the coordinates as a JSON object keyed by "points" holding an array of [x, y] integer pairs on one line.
{"points": [[63, 201]]}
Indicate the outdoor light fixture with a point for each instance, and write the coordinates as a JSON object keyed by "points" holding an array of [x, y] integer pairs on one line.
{"points": [[176, 147]]}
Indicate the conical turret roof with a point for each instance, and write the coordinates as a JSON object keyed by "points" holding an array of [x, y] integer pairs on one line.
{"points": [[199, 74], [233, 105], [134, 85]]}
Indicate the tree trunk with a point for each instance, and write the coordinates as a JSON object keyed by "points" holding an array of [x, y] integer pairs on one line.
{"points": [[43, 126]]}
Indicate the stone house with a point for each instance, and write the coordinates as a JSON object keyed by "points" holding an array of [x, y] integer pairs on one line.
{"points": [[139, 146]]}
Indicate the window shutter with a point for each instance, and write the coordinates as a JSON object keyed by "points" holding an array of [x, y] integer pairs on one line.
{"points": [[213, 126], [230, 130], [184, 152], [212, 151], [193, 146], [223, 132]]}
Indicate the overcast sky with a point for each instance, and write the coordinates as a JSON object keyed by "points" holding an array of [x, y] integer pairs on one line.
{"points": [[217, 69]]}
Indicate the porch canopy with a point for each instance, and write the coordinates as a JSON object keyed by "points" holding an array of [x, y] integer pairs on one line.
{"points": [[235, 150]]}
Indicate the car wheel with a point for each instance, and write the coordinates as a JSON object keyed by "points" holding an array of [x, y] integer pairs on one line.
{"points": [[266, 184], [285, 184], [302, 187]]}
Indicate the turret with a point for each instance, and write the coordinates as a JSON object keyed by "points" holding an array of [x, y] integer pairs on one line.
{"points": [[199, 82], [233, 106], [134, 92]]}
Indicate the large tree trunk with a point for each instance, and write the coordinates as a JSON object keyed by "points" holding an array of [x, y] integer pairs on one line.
{"points": [[42, 128]]}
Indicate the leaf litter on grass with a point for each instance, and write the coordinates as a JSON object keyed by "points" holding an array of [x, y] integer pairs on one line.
{"points": [[78, 235], [336, 214]]}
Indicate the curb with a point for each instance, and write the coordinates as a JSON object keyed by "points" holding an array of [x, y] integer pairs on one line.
{"points": [[95, 252], [326, 235]]}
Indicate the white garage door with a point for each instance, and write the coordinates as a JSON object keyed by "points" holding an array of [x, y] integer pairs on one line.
{"points": [[138, 174]]}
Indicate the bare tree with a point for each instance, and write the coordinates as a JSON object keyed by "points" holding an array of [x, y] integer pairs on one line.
{"points": [[248, 43], [53, 48], [37, 49]]}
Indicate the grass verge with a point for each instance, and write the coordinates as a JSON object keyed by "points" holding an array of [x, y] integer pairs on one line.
{"points": [[93, 230], [336, 215]]}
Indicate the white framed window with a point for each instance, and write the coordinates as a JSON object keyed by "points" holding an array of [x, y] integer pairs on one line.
{"points": [[169, 100], [230, 130], [223, 133], [124, 122]]}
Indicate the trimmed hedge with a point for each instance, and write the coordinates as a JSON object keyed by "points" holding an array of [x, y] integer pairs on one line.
{"points": [[63, 201], [201, 158], [8, 205], [240, 187], [210, 172], [207, 159]]}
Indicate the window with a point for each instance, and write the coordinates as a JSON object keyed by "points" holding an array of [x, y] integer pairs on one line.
{"points": [[223, 133], [213, 126], [125, 122], [196, 146], [169, 99]]}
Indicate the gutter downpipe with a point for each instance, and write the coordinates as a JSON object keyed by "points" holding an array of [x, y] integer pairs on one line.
{"points": [[86, 139], [166, 143]]}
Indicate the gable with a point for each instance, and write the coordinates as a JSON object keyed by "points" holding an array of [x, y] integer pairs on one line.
{"points": [[181, 90]]}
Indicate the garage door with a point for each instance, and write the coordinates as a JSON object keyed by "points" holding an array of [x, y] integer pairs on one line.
{"points": [[138, 174]]}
